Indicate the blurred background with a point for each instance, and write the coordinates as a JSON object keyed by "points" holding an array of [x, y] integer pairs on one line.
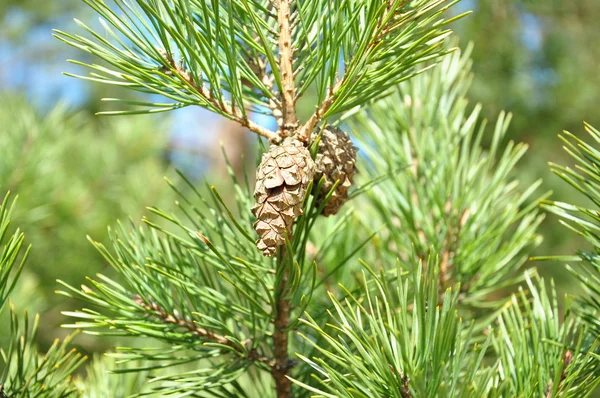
{"points": [[76, 174]]}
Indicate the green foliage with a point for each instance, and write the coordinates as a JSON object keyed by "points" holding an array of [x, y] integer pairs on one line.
{"points": [[400, 338], [200, 289], [200, 53], [74, 177], [583, 220], [540, 355], [456, 200], [99, 379], [541, 64], [204, 297], [212, 317], [27, 373], [24, 372], [11, 263]]}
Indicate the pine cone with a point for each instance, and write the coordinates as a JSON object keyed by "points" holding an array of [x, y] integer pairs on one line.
{"points": [[281, 181], [336, 160]]}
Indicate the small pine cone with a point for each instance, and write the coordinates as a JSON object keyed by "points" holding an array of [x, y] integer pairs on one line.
{"points": [[281, 182], [336, 160]]}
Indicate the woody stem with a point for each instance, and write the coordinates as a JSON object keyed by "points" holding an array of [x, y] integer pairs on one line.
{"points": [[286, 68], [280, 370]]}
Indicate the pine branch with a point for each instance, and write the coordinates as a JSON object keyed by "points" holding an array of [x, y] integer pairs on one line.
{"points": [[210, 283], [214, 41], [378, 50], [198, 331], [466, 206], [224, 106], [25, 372], [306, 130], [12, 259], [286, 68], [380, 42], [387, 339], [582, 220], [282, 365], [540, 352]]}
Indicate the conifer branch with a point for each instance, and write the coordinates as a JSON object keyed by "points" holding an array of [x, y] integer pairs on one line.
{"points": [[583, 220], [225, 107], [283, 385], [201, 332], [189, 325], [288, 125], [380, 41], [328, 101], [286, 68], [24, 371], [436, 212], [306, 129]]}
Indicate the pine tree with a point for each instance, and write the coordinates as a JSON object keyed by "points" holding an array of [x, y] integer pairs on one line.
{"points": [[415, 288]]}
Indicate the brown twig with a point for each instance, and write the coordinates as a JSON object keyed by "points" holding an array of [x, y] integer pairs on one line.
{"points": [[451, 245], [405, 389], [305, 131], [200, 332], [282, 365], [286, 68], [288, 126], [225, 107], [567, 359]]}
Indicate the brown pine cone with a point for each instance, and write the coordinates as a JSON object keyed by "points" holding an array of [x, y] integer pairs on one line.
{"points": [[336, 160], [281, 182]]}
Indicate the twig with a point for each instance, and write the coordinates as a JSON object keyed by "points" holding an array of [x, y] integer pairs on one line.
{"points": [[404, 389], [305, 131], [226, 108], [567, 359], [198, 331], [280, 370], [286, 68], [447, 252], [451, 245], [289, 124]]}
